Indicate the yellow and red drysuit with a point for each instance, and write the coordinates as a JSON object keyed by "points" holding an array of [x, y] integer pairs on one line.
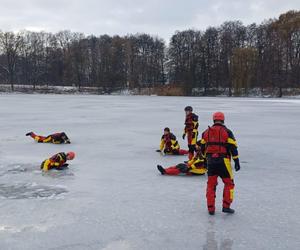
{"points": [[57, 161], [218, 145], [169, 145], [192, 167], [57, 138], [191, 130]]}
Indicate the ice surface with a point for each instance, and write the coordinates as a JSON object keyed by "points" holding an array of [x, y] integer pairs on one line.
{"points": [[112, 197]]}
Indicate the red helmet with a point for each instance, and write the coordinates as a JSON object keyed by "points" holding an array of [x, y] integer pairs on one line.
{"points": [[71, 155], [218, 116]]}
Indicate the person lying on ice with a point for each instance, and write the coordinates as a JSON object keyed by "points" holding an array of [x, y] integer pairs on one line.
{"points": [[57, 161], [219, 146], [57, 138], [191, 130], [169, 144], [196, 166]]}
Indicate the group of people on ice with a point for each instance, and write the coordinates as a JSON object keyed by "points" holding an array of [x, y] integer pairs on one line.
{"points": [[211, 154], [59, 160]]}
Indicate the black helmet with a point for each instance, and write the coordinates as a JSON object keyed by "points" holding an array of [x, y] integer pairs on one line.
{"points": [[167, 129], [188, 108]]}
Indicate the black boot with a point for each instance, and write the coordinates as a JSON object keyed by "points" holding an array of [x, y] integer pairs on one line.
{"points": [[228, 210], [211, 212], [161, 169], [28, 133]]}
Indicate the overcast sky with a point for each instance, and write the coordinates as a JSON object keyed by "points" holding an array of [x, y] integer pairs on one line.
{"points": [[156, 17]]}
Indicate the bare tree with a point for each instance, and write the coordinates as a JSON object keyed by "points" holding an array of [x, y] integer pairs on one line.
{"points": [[10, 44]]}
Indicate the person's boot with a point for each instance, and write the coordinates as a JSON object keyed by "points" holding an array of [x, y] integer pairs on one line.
{"points": [[161, 169], [211, 212], [228, 210], [28, 134]]}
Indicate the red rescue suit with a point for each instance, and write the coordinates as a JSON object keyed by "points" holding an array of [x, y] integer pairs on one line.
{"points": [[191, 130], [218, 145], [169, 145], [57, 138], [57, 161], [192, 167]]}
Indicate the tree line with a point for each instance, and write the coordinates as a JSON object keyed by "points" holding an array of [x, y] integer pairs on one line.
{"points": [[232, 57]]}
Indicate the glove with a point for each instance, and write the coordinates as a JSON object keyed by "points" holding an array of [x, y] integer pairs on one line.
{"points": [[158, 151], [237, 166], [183, 136], [63, 166]]}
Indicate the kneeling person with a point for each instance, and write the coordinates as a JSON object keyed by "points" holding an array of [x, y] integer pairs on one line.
{"points": [[57, 161], [169, 144], [57, 138]]}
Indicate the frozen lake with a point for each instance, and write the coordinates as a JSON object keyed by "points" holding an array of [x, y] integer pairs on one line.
{"points": [[113, 198]]}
